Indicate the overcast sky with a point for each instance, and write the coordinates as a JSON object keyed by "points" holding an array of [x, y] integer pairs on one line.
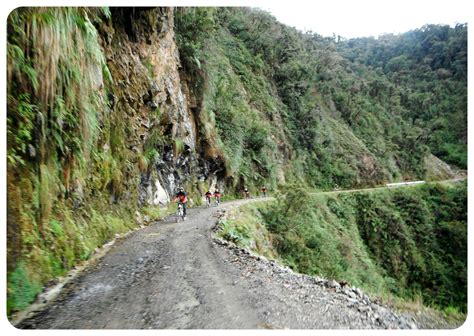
{"points": [[348, 18], [367, 17]]}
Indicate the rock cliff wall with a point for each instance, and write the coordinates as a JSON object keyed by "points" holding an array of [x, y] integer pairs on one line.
{"points": [[100, 123], [141, 53]]}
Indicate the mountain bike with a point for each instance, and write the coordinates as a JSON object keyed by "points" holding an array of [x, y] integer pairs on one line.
{"points": [[218, 201], [180, 212]]}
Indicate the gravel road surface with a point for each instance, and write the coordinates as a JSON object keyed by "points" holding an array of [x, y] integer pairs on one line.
{"points": [[179, 276]]}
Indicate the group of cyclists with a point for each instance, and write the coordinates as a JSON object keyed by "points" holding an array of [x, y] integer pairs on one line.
{"points": [[217, 195], [182, 198]]}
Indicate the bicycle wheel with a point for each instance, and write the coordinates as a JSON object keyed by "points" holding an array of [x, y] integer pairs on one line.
{"points": [[179, 213]]}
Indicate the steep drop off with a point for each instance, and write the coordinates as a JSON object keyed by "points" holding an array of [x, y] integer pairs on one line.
{"points": [[408, 242], [110, 110]]}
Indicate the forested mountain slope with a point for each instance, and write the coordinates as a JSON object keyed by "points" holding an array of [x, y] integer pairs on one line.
{"points": [[110, 110], [407, 242], [428, 69]]}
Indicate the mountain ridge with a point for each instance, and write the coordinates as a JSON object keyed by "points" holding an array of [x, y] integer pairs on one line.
{"points": [[110, 110]]}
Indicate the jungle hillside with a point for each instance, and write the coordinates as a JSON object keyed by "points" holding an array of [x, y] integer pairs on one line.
{"points": [[111, 110]]}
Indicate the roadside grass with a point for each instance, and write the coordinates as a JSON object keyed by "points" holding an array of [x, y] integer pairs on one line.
{"points": [[245, 227], [156, 213]]}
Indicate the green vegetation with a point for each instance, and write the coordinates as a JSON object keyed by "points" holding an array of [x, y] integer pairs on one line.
{"points": [[424, 73], [325, 111], [22, 289], [155, 213], [244, 227], [409, 243], [269, 105], [66, 158]]}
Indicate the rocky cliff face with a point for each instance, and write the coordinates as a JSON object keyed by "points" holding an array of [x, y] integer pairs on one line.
{"points": [[101, 120], [106, 114], [143, 59]]}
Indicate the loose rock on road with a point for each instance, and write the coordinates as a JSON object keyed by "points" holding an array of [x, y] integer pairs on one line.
{"points": [[178, 276]]}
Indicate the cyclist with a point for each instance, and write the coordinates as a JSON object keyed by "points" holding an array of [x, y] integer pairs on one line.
{"points": [[218, 196], [182, 198], [246, 192], [208, 198], [264, 191]]}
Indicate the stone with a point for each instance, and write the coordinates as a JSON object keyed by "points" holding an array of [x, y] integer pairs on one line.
{"points": [[334, 284], [160, 196], [350, 294], [262, 258], [152, 104], [358, 292], [363, 309], [32, 151], [352, 302]]}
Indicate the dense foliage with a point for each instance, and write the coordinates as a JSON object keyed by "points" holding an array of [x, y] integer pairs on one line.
{"points": [[269, 105], [65, 158], [425, 71], [407, 242], [338, 112]]}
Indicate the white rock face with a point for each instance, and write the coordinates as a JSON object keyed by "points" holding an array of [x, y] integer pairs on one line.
{"points": [[171, 182], [160, 196], [212, 183]]}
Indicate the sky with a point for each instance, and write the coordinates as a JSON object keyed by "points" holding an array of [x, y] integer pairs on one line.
{"points": [[360, 18], [348, 18]]}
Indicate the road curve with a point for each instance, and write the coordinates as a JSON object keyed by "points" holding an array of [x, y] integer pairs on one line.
{"points": [[394, 186], [166, 275], [176, 276]]}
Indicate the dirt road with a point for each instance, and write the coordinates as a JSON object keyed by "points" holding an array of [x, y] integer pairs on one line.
{"points": [[178, 276], [394, 186]]}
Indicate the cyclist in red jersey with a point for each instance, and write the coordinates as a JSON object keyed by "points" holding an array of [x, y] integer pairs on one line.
{"points": [[182, 198]]}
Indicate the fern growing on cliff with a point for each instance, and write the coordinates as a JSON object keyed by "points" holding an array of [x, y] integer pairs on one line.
{"points": [[54, 80]]}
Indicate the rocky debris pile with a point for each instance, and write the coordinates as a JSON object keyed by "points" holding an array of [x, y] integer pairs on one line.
{"points": [[360, 310]]}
